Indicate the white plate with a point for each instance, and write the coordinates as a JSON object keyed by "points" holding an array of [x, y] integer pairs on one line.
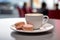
{"points": [[44, 28]]}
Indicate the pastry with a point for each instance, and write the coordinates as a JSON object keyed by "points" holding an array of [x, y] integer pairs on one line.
{"points": [[27, 27], [19, 25]]}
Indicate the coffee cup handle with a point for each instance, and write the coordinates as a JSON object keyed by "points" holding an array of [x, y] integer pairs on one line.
{"points": [[45, 19]]}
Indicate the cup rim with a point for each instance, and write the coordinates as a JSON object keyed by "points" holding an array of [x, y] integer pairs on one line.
{"points": [[34, 14]]}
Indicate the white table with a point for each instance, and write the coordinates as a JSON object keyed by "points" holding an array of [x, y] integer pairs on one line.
{"points": [[7, 34]]}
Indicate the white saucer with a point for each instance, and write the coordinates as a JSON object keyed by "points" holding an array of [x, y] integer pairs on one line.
{"points": [[44, 28]]}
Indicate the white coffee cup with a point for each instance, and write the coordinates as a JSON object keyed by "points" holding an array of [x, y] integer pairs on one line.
{"points": [[36, 19]]}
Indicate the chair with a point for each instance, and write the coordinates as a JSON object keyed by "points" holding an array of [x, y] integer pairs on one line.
{"points": [[54, 14], [21, 13]]}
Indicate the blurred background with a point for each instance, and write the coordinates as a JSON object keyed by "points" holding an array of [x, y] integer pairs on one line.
{"points": [[8, 8]]}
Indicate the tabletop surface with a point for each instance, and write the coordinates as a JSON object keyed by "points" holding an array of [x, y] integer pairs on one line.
{"points": [[7, 34]]}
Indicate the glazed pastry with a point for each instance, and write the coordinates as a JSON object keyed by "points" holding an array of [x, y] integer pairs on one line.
{"points": [[19, 25]]}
